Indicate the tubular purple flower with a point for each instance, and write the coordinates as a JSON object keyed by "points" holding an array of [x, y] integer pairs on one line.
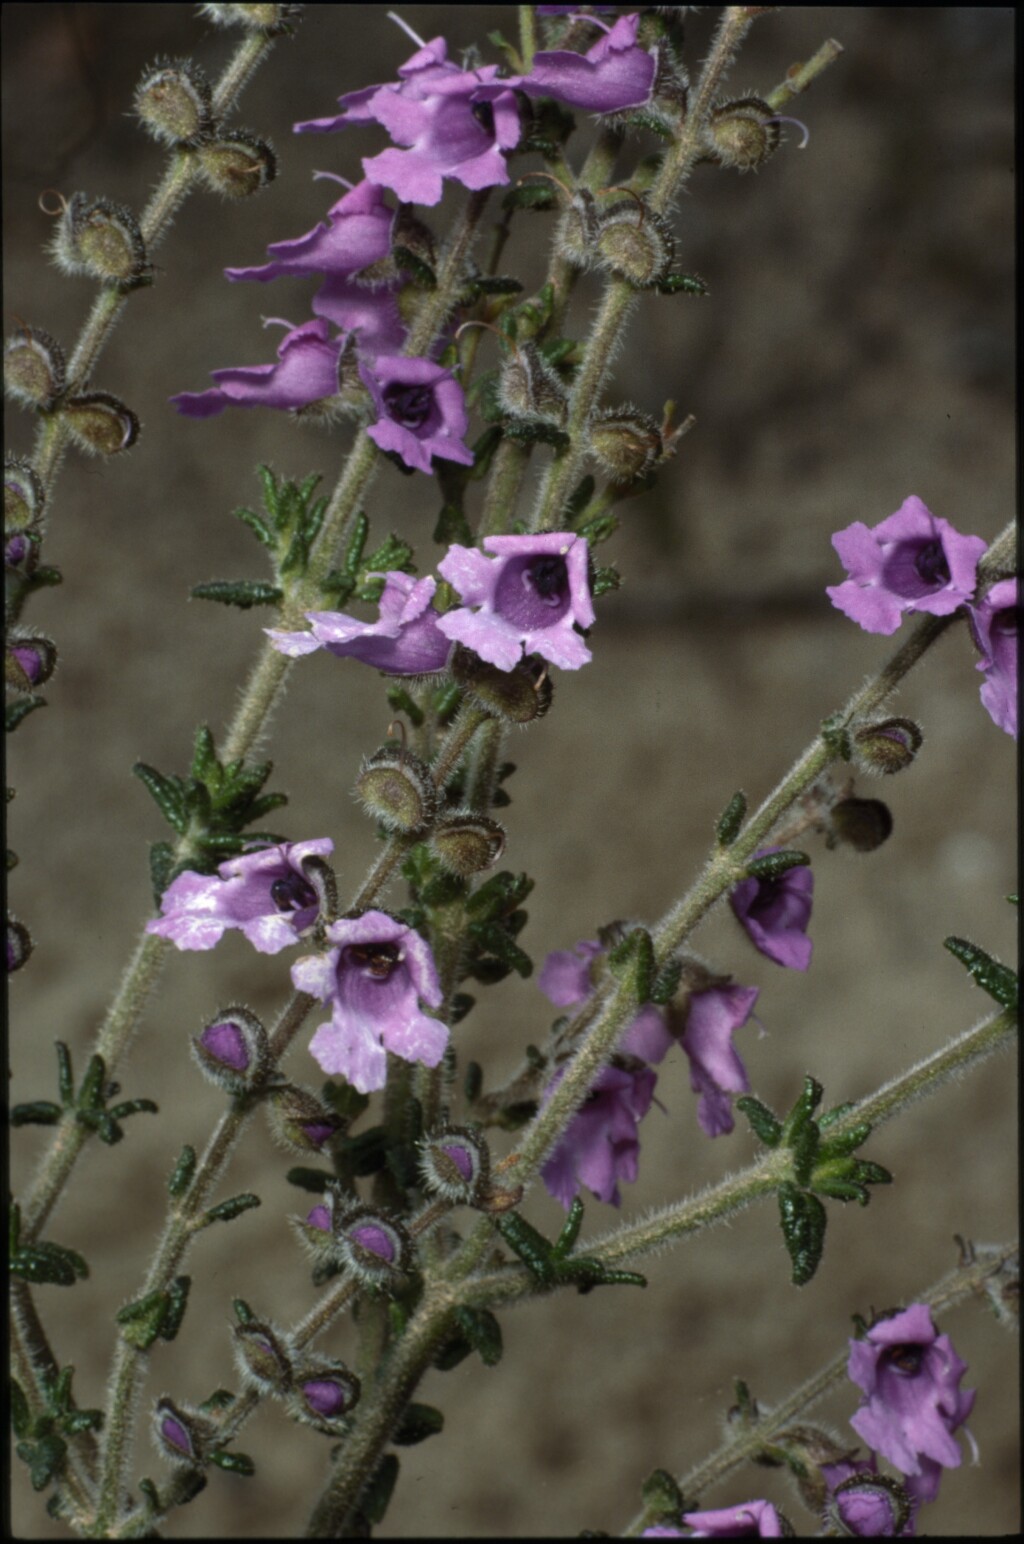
{"points": [[373, 315], [421, 410], [528, 598], [264, 893], [452, 122], [993, 624], [355, 235], [750, 1520], [716, 1070], [373, 979], [405, 639], [912, 561], [913, 1404], [613, 75], [775, 912], [307, 372]]}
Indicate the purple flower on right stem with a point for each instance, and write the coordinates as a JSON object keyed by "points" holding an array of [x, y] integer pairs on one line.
{"points": [[775, 913], [912, 561], [913, 1403], [993, 625]]}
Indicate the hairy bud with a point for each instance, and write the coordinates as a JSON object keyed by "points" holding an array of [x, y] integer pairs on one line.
{"points": [[465, 843], [299, 1120], [864, 823], [262, 1356], [455, 1164], [34, 368], [236, 164], [886, 746], [100, 239], [625, 443], [323, 1393], [100, 424], [19, 944], [518, 696], [24, 498], [635, 243], [528, 387], [181, 1433], [233, 1050], [395, 787], [375, 1247], [742, 134], [271, 19], [29, 660], [173, 101]]}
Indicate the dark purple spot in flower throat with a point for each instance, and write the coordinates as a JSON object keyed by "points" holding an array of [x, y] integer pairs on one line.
{"points": [[765, 900], [377, 960], [483, 112], [533, 592], [292, 893], [1004, 623], [905, 1359], [409, 406], [931, 564]]}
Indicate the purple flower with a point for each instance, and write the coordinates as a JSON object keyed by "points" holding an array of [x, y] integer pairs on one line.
{"points": [[864, 1504], [307, 372], [453, 123], [615, 74], [913, 561], [373, 979], [600, 1145], [994, 626], [750, 1520], [716, 1070], [421, 410], [910, 1375], [775, 913], [355, 234], [405, 639], [528, 597], [372, 315], [265, 893]]}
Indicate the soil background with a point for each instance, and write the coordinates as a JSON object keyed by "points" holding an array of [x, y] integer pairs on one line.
{"points": [[856, 346]]}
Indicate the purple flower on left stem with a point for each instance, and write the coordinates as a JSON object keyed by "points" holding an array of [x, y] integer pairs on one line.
{"points": [[405, 639], [306, 372], [528, 597], [421, 410], [749, 1520], [994, 625], [613, 75], [264, 893], [775, 913], [716, 1071], [913, 1403], [373, 978], [912, 561]]}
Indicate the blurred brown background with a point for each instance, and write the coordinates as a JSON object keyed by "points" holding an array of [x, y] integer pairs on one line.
{"points": [[856, 347]]}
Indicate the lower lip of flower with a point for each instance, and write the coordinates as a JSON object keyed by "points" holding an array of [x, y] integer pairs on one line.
{"points": [[533, 592]]}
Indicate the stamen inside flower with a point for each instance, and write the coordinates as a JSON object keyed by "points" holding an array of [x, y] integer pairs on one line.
{"points": [[377, 960], [534, 592], [905, 1359], [483, 112], [931, 563], [292, 893], [409, 406], [916, 568]]}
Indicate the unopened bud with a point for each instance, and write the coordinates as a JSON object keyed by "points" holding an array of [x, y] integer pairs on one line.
{"points": [[100, 239], [323, 1393], [518, 696], [743, 133], [24, 497], [34, 368], [455, 1164], [173, 101], [100, 424], [29, 660], [261, 1353], [181, 1433], [19, 944], [886, 746], [316, 1231], [270, 19], [869, 1506], [236, 163], [804, 1449], [575, 236], [528, 387], [233, 1050], [864, 823], [395, 787], [625, 443], [299, 1120], [466, 843], [376, 1248], [408, 233], [635, 243]]}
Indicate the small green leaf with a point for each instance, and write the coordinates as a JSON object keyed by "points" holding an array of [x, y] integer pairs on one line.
{"points": [[566, 1240], [51, 1263], [600, 528], [803, 1228], [401, 702], [530, 195], [802, 1111], [227, 1211], [161, 862], [167, 793], [774, 864], [998, 980], [417, 1424], [142, 1321], [177, 1301], [633, 958], [452, 526], [40, 1112], [681, 284], [836, 738], [661, 1494], [666, 982], [421, 273], [243, 1313], [21, 1416], [604, 580], [531, 1247], [243, 593], [536, 431], [233, 1463], [731, 819], [47, 1460], [65, 1076], [841, 1147], [482, 1332], [257, 525], [18, 710], [314, 1180], [184, 1169], [763, 1123]]}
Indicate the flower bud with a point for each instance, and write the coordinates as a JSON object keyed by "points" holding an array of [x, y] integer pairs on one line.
{"points": [[233, 1050], [395, 787], [376, 1248], [625, 443], [323, 1393], [173, 101], [21, 552], [262, 1357], [236, 163], [100, 424], [864, 823], [869, 1506], [528, 387], [635, 243], [24, 498], [743, 133], [29, 660], [410, 234], [34, 369], [886, 746], [19, 944], [270, 19], [518, 696], [100, 239], [299, 1120], [455, 1164], [315, 1231], [804, 1449], [575, 236], [181, 1433], [466, 843]]}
